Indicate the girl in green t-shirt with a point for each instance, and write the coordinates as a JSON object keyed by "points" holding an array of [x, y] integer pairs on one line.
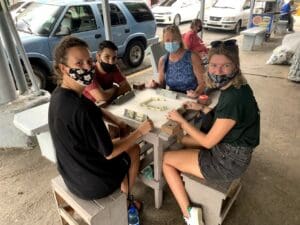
{"points": [[225, 151]]}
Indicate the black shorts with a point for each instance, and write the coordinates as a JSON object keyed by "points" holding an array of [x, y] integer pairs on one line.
{"points": [[102, 186], [224, 162], [123, 161]]}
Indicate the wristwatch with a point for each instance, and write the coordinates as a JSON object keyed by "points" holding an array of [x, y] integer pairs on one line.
{"points": [[116, 85]]}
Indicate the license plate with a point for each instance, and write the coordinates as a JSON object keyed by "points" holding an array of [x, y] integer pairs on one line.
{"points": [[213, 22]]}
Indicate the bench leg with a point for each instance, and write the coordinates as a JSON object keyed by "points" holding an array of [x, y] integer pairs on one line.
{"points": [[66, 212], [259, 40], [158, 196], [248, 42], [59, 202]]}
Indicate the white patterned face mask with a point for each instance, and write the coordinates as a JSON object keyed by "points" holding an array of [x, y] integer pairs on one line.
{"points": [[82, 76]]}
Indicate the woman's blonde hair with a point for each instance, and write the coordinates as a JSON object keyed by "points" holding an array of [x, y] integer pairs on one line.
{"points": [[60, 54], [232, 53], [173, 29]]}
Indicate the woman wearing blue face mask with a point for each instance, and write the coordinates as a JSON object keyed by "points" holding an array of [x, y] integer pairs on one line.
{"points": [[224, 153], [179, 69], [91, 164]]}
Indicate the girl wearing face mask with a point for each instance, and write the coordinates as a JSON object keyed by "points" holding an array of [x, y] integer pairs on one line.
{"points": [[224, 153], [193, 42], [179, 69], [91, 164], [109, 82]]}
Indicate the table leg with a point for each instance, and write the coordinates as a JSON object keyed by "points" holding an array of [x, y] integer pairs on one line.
{"points": [[159, 142], [157, 161]]}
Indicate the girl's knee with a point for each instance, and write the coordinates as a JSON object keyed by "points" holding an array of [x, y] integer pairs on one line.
{"points": [[167, 158], [136, 149], [134, 152]]}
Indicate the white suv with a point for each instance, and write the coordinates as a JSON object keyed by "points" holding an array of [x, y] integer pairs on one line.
{"points": [[228, 15]]}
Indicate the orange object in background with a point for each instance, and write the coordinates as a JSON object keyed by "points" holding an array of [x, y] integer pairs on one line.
{"points": [[298, 8], [204, 99]]}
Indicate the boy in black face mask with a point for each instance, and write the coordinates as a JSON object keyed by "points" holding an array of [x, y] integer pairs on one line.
{"points": [[192, 41], [109, 82]]}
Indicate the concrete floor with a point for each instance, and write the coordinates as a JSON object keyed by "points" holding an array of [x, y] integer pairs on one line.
{"points": [[270, 193]]}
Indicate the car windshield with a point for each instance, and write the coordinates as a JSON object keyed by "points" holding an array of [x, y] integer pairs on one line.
{"points": [[227, 4], [167, 3], [38, 18]]}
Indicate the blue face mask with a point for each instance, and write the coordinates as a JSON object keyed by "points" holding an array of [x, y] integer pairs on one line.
{"points": [[221, 80], [172, 47]]}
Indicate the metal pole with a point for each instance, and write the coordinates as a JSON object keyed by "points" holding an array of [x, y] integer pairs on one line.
{"points": [[251, 12], [202, 9], [106, 19], [7, 86], [22, 53], [11, 51]]}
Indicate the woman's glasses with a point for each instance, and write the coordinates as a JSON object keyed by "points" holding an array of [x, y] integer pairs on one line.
{"points": [[228, 43]]}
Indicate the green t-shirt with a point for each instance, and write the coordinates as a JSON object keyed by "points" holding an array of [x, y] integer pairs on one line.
{"points": [[240, 106]]}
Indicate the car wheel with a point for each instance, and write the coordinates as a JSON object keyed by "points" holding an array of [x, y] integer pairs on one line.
{"points": [[134, 54], [39, 75], [237, 28], [177, 20]]}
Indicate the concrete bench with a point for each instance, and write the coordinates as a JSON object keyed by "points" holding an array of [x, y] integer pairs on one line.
{"points": [[215, 198], [281, 27], [34, 122], [73, 210], [253, 36]]}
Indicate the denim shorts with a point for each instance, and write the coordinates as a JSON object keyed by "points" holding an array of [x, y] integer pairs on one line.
{"points": [[224, 162]]}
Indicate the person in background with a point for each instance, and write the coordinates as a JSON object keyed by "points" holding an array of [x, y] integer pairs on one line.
{"points": [[224, 153], [179, 69], [286, 14], [109, 82], [91, 164], [193, 42]]}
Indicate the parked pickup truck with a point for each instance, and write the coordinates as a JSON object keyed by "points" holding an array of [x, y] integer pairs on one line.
{"points": [[42, 25]]}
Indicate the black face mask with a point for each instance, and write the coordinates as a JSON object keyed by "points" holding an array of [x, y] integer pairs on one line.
{"points": [[108, 68], [82, 76]]}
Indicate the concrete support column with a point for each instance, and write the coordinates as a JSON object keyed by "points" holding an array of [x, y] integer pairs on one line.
{"points": [[7, 86], [106, 19], [251, 13], [8, 42], [202, 9]]}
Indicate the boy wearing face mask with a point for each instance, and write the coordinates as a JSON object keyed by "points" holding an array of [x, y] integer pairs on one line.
{"points": [[109, 82], [192, 41]]}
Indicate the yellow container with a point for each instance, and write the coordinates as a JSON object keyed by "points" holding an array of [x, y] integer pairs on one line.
{"points": [[298, 9]]}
